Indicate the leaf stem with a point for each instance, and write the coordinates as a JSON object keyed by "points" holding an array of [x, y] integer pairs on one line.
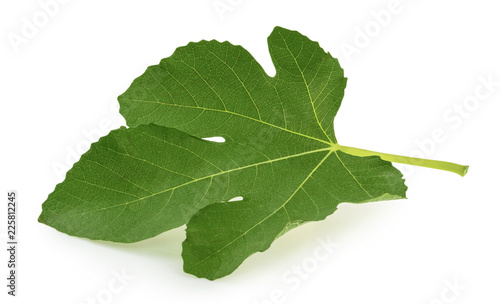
{"points": [[428, 163]]}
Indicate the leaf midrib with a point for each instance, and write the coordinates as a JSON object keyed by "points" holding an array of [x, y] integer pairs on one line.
{"points": [[331, 149], [307, 87], [232, 113]]}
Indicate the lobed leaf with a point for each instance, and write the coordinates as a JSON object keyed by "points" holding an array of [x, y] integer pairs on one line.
{"points": [[280, 154]]}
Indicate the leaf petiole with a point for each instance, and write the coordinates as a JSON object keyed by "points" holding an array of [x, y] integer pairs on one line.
{"points": [[414, 161]]}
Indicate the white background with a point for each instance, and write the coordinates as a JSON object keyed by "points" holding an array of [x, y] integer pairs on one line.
{"points": [[406, 82]]}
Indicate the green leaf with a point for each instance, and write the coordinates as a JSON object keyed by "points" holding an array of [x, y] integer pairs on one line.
{"points": [[280, 154]]}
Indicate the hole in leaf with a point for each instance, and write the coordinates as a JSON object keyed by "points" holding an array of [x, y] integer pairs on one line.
{"points": [[236, 199], [217, 139]]}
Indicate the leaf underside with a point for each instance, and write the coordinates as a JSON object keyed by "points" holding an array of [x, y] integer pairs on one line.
{"points": [[280, 154]]}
